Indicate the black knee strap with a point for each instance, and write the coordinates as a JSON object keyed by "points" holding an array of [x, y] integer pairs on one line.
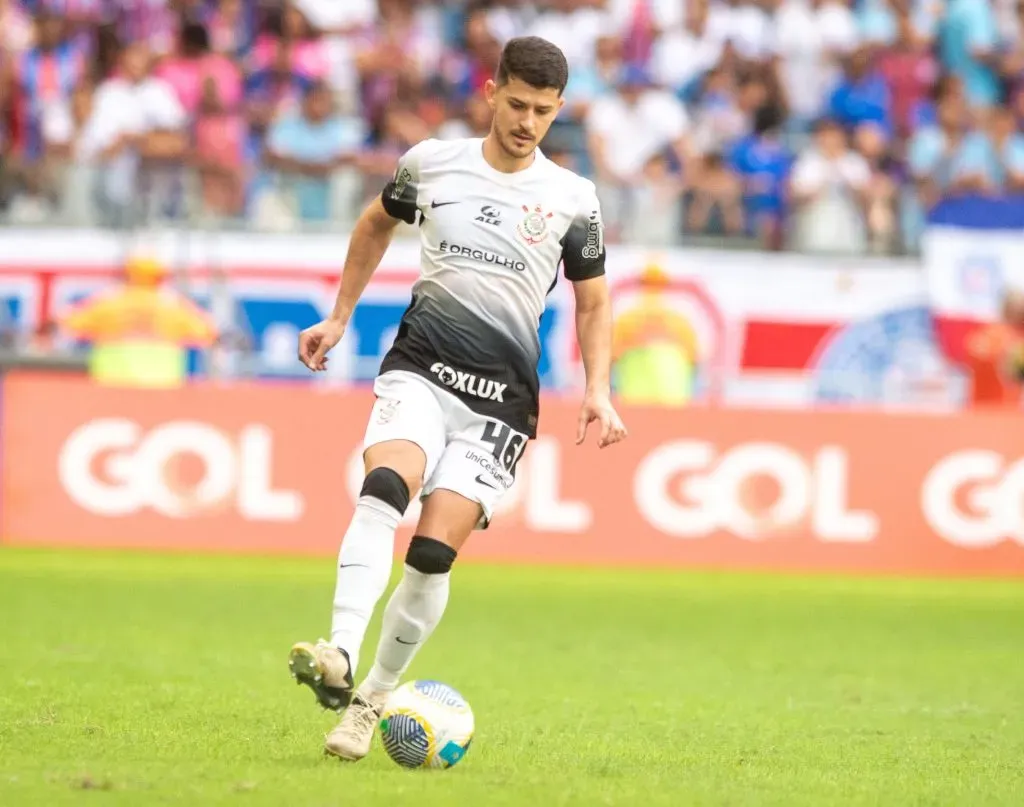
{"points": [[387, 486], [430, 556]]}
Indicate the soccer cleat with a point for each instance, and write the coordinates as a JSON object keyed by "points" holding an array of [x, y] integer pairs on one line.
{"points": [[351, 738], [324, 669]]}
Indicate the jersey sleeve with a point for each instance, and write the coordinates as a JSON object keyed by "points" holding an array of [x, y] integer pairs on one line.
{"points": [[401, 193], [583, 253]]}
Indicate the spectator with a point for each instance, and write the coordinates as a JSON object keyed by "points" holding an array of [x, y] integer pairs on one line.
{"points": [[230, 27], [63, 128], [862, 95], [828, 188], [812, 36], [349, 17], [909, 70], [306, 149], [396, 58], [683, 55], [652, 16], [194, 65], [715, 203], [625, 130], [474, 122], [933, 154], [273, 92], [589, 83], [16, 31], [879, 20], [408, 69], [881, 200], [152, 23], [746, 25], [463, 71], [307, 51], [992, 159], [219, 138], [968, 41], [138, 135], [763, 162], [724, 113], [924, 112], [46, 75], [657, 214], [573, 27]]}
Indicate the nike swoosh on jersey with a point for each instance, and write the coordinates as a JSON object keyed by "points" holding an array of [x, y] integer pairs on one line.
{"points": [[435, 203], [481, 481]]}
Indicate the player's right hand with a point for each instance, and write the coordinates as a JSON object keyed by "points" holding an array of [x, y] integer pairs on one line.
{"points": [[316, 341]]}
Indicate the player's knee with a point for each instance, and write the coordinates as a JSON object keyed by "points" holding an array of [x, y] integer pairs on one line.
{"points": [[429, 556], [387, 486]]}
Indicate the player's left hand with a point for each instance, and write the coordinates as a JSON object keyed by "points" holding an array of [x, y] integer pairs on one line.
{"points": [[599, 408]]}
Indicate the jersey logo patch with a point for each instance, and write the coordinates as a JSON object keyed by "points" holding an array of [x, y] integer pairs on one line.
{"points": [[467, 382], [401, 182], [534, 227], [489, 215]]}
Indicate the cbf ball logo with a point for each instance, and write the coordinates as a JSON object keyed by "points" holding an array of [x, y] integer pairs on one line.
{"points": [[534, 227]]}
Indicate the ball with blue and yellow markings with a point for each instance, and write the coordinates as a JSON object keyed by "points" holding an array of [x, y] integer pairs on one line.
{"points": [[426, 724]]}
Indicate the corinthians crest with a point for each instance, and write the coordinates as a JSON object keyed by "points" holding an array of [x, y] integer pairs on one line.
{"points": [[534, 227]]}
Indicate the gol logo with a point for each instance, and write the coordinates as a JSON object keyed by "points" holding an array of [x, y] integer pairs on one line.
{"points": [[990, 508], [111, 467], [687, 490]]}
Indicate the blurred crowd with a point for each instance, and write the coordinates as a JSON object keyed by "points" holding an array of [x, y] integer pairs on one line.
{"points": [[819, 125]]}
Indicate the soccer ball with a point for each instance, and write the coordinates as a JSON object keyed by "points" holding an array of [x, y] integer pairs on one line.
{"points": [[426, 724]]}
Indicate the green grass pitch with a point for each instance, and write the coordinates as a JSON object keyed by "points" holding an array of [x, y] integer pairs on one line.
{"points": [[153, 679]]}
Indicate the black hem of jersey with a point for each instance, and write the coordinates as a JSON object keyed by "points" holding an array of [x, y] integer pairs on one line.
{"points": [[520, 422]]}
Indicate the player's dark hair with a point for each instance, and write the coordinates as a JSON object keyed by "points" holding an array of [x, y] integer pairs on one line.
{"points": [[534, 61]]}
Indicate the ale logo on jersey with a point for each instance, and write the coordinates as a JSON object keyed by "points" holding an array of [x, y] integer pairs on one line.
{"points": [[469, 383], [534, 227]]}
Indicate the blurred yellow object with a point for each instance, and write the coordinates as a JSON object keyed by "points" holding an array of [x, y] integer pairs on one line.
{"points": [[142, 269], [656, 349], [139, 332]]}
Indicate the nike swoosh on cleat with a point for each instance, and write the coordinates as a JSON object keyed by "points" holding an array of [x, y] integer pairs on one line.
{"points": [[349, 565], [435, 204], [402, 641]]}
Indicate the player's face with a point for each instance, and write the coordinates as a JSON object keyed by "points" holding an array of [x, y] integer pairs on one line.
{"points": [[522, 115]]}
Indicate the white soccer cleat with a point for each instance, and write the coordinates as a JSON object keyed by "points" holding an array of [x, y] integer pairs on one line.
{"points": [[326, 670], [351, 738]]}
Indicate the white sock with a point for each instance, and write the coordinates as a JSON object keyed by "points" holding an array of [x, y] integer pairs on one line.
{"points": [[412, 613], [364, 568]]}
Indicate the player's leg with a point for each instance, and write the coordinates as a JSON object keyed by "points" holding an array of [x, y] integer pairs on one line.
{"points": [[404, 439], [413, 611], [460, 495]]}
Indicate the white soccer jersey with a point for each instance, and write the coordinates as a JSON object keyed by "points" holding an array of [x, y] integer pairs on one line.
{"points": [[491, 247]]}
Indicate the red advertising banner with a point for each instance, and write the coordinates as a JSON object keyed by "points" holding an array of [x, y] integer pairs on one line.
{"points": [[275, 469]]}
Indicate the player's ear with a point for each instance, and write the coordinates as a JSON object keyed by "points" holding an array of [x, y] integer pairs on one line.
{"points": [[490, 89], [561, 103]]}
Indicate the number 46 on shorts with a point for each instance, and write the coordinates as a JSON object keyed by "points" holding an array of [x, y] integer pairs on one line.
{"points": [[507, 445]]}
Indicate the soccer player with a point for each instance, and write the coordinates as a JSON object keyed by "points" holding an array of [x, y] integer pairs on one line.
{"points": [[457, 394]]}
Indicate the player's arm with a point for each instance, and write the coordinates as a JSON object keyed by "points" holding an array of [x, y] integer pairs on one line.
{"points": [[583, 261], [594, 333], [370, 240], [367, 245]]}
